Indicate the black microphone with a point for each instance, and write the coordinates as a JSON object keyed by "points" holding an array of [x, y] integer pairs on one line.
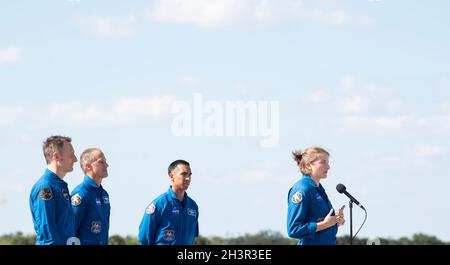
{"points": [[342, 189]]}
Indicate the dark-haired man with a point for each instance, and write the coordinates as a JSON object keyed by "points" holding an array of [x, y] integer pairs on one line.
{"points": [[172, 218]]}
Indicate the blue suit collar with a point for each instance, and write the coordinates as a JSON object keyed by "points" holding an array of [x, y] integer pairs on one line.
{"points": [[91, 183], [310, 181], [52, 176], [173, 195]]}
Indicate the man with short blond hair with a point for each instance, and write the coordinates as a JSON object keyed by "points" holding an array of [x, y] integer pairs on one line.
{"points": [[50, 207], [90, 201]]}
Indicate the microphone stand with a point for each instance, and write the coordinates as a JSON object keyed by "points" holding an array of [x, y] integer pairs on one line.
{"points": [[350, 204]]}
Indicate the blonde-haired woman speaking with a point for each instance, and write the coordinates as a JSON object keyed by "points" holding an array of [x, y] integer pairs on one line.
{"points": [[311, 218]]}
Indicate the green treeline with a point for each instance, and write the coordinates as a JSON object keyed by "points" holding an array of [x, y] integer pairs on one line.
{"points": [[266, 237]]}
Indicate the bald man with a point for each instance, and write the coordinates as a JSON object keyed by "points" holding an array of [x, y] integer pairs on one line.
{"points": [[90, 202]]}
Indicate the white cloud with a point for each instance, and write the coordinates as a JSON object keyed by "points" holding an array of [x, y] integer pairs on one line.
{"points": [[349, 84], [319, 96], [10, 114], [11, 55], [373, 109], [377, 125], [393, 106], [121, 112], [437, 124], [334, 17], [376, 90], [109, 26], [363, 98], [353, 105], [428, 150], [201, 13], [250, 13]]}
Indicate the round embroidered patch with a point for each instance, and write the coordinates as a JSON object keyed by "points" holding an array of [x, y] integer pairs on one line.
{"points": [[150, 209], [76, 199], [297, 198], [46, 194]]}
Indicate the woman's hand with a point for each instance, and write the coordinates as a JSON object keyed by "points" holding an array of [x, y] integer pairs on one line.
{"points": [[340, 216]]}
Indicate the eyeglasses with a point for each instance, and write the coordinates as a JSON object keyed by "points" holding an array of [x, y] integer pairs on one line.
{"points": [[99, 161]]}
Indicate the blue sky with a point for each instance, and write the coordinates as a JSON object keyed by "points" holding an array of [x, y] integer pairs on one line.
{"points": [[367, 80]]}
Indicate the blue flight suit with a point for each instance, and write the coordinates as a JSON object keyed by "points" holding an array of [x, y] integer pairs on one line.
{"points": [[308, 204], [52, 214], [91, 206], [167, 221]]}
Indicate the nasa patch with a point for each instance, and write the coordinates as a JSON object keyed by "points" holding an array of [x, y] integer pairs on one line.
{"points": [[175, 210]]}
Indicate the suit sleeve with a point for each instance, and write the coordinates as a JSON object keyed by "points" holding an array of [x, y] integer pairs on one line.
{"points": [[44, 211], [297, 225], [147, 229]]}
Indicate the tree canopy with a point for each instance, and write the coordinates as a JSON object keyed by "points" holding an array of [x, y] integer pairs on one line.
{"points": [[264, 237]]}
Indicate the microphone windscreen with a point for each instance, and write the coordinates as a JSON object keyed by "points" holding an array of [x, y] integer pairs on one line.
{"points": [[340, 188]]}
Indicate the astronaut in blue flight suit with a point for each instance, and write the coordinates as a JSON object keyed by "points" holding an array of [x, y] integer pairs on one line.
{"points": [[172, 218], [50, 207], [311, 218], [90, 201]]}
